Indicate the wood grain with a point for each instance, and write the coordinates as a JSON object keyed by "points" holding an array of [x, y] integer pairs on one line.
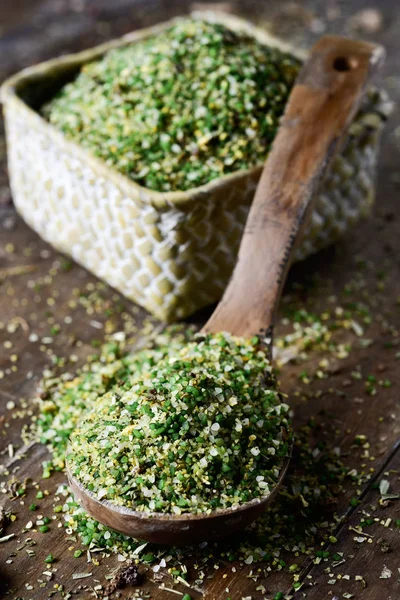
{"points": [[322, 103], [373, 557]]}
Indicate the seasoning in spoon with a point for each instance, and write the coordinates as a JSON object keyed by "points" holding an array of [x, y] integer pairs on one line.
{"points": [[205, 428], [176, 110]]}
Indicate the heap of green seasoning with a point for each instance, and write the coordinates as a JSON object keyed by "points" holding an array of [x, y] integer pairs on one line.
{"points": [[179, 109], [202, 429]]}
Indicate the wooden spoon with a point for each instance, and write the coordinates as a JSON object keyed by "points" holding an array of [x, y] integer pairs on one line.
{"points": [[323, 102]]}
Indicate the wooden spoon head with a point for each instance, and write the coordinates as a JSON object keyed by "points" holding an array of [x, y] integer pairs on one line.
{"points": [[171, 529]]}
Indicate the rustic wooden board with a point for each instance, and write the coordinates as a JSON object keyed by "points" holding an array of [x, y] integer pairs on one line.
{"points": [[375, 558], [340, 403]]}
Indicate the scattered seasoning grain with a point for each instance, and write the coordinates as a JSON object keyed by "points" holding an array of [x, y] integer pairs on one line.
{"points": [[49, 559], [306, 335]]}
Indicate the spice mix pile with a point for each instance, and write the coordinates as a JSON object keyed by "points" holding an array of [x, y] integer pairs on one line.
{"points": [[177, 110], [204, 428]]}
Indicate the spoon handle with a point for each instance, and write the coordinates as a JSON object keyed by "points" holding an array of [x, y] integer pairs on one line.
{"points": [[322, 104]]}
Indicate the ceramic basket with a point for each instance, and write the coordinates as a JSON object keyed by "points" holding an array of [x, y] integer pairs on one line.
{"points": [[171, 252]]}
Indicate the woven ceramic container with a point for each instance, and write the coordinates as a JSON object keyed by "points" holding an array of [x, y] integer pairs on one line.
{"points": [[171, 252]]}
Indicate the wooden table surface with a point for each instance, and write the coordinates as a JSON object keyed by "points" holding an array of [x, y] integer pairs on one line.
{"points": [[358, 398]]}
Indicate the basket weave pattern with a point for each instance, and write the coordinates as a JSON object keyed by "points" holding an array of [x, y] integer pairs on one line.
{"points": [[171, 253]]}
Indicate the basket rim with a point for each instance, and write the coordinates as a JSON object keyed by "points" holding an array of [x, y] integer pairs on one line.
{"points": [[11, 87]]}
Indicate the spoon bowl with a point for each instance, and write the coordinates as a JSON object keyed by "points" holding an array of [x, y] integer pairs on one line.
{"points": [[322, 104], [171, 529]]}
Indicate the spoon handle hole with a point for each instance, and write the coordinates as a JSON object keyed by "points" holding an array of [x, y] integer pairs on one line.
{"points": [[344, 63]]}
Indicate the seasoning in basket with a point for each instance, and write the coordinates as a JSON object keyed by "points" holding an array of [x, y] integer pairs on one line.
{"points": [[170, 251], [177, 110]]}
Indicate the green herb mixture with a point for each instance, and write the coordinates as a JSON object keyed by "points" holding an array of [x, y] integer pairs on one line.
{"points": [[324, 478], [298, 523], [201, 429], [179, 109], [65, 400]]}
